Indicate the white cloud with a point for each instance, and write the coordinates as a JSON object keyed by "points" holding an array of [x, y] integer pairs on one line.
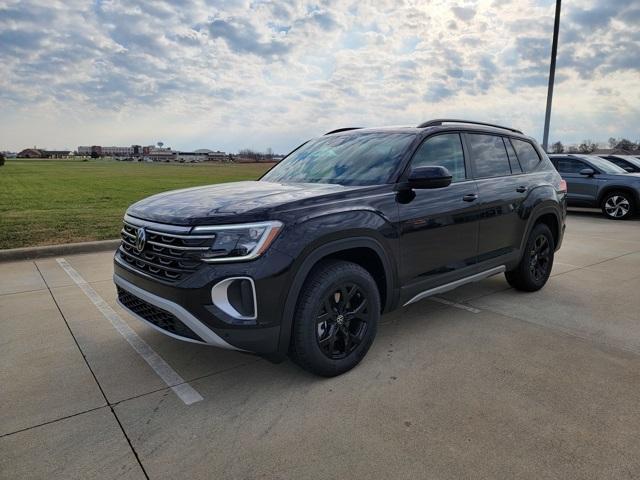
{"points": [[235, 73]]}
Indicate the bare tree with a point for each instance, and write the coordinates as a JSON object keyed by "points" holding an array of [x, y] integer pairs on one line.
{"points": [[625, 144], [256, 156], [557, 147], [587, 146]]}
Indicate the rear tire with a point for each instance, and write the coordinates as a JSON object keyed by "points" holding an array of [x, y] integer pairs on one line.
{"points": [[336, 318], [618, 205], [534, 268]]}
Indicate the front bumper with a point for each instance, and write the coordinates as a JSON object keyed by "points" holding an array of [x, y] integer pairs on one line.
{"points": [[185, 310], [203, 334]]}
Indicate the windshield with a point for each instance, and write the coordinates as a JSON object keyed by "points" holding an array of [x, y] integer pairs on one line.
{"points": [[631, 159], [605, 166], [346, 159]]}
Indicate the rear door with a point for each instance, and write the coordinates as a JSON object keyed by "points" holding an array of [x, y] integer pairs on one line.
{"points": [[439, 226], [502, 187], [581, 189]]}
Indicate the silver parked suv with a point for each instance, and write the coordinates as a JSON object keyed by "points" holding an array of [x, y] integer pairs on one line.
{"points": [[595, 182]]}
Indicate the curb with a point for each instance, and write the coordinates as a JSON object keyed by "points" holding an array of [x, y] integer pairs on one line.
{"points": [[30, 253]]}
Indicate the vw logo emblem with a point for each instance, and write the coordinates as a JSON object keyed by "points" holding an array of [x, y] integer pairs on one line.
{"points": [[141, 239]]}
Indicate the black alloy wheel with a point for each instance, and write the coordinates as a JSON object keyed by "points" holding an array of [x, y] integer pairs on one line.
{"points": [[342, 321], [539, 258], [336, 318], [535, 266]]}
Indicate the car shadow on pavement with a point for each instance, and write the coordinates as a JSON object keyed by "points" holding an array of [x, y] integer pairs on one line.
{"points": [[596, 213]]}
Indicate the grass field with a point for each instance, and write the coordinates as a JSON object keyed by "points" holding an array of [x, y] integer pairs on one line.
{"points": [[44, 202]]}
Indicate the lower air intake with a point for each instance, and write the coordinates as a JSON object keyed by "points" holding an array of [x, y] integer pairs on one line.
{"points": [[152, 314]]}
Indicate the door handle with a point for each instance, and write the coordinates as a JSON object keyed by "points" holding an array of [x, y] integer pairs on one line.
{"points": [[470, 197], [521, 189]]}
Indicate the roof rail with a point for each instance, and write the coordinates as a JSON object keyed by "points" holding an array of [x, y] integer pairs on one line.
{"points": [[439, 121], [337, 130]]}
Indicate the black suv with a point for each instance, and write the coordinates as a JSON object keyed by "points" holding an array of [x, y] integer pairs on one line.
{"points": [[348, 226], [595, 182]]}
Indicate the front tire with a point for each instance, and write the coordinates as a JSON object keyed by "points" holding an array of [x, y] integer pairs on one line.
{"points": [[618, 205], [336, 318], [534, 268]]}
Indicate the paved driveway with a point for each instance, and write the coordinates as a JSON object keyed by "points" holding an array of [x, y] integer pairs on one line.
{"points": [[483, 382]]}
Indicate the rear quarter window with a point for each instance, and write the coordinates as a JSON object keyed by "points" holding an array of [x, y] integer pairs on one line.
{"points": [[513, 158], [527, 154]]}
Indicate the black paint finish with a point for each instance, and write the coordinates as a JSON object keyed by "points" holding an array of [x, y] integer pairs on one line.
{"points": [[411, 239]]}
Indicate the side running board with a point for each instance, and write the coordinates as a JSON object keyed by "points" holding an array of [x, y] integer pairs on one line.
{"points": [[463, 281]]}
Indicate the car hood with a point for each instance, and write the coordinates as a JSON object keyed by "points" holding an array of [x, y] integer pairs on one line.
{"points": [[229, 202]]}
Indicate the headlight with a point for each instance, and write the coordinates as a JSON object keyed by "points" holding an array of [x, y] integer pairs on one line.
{"points": [[239, 242]]}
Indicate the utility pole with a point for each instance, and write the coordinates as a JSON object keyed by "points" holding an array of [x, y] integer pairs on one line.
{"points": [[552, 75]]}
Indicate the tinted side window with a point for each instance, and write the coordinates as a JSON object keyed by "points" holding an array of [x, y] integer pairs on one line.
{"points": [[571, 165], [489, 155], [527, 155], [442, 150], [513, 158]]}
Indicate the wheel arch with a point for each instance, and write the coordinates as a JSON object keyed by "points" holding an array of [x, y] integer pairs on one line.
{"points": [[364, 251], [549, 215], [618, 188], [551, 220]]}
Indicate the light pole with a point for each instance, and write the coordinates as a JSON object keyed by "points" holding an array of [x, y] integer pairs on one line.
{"points": [[552, 75]]}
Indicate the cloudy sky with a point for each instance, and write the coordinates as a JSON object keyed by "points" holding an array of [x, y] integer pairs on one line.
{"points": [[233, 74]]}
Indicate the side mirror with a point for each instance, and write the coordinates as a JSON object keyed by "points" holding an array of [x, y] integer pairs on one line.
{"points": [[587, 172], [429, 177]]}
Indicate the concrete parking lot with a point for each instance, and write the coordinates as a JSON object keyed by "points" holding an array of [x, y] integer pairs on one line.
{"points": [[482, 382]]}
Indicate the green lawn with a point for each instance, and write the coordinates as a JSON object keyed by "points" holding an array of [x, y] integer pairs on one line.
{"points": [[43, 202]]}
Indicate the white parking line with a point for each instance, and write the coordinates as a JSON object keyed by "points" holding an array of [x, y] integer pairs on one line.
{"points": [[183, 390], [454, 304]]}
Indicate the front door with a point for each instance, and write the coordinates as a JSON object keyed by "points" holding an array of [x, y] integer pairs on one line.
{"points": [[439, 227], [581, 189]]}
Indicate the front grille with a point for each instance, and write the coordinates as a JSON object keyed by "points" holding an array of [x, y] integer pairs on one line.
{"points": [[160, 318], [166, 256]]}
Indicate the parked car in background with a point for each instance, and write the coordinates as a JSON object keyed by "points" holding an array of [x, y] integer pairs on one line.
{"points": [[348, 226], [595, 182], [629, 163]]}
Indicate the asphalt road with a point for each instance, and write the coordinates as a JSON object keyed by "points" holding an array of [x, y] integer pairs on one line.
{"points": [[483, 382]]}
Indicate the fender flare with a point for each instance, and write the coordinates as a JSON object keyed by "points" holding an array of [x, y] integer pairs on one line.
{"points": [[536, 214], [307, 265]]}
